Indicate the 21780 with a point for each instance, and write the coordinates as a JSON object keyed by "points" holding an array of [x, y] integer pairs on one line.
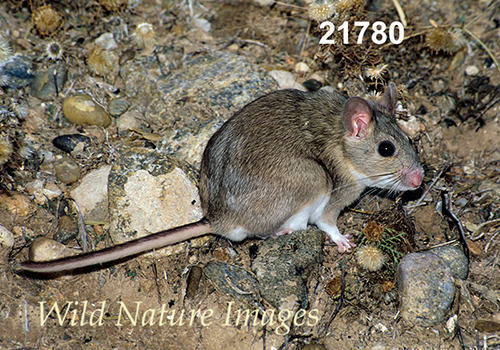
{"points": [[379, 35]]}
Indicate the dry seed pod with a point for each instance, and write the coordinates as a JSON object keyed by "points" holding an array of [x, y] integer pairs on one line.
{"points": [[144, 35], [47, 20], [5, 150], [450, 40], [54, 50], [5, 49], [373, 231], [100, 62], [370, 258]]}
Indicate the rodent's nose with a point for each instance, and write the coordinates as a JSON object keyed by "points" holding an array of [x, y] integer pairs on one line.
{"points": [[415, 178]]}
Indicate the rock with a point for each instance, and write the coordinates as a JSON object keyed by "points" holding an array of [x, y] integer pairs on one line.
{"points": [[45, 249], [286, 80], [203, 24], [208, 85], [43, 192], [67, 229], [471, 70], [106, 41], [16, 72], [301, 68], [83, 110], [189, 143], [148, 192], [51, 191], [91, 194], [118, 107], [235, 281], [141, 73], [312, 84], [72, 143], [44, 84], [455, 259], [67, 170], [129, 120], [216, 84], [17, 204], [278, 261], [35, 188], [426, 289], [6, 238]]}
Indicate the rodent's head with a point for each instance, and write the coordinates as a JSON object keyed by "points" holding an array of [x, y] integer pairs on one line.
{"points": [[380, 153]]}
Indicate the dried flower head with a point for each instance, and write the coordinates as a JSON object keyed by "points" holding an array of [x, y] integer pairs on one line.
{"points": [[54, 50], [100, 62], [5, 49], [376, 73], [113, 5], [19, 111], [47, 20], [373, 231], [5, 150], [385, 290], [370, 258], [349, 5], [450, 39], [333, 286], [143, 35], [321, 10]]}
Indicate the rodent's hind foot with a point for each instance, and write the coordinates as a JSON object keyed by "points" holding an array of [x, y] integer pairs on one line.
{"points": [[285, 231], [344, 244]]}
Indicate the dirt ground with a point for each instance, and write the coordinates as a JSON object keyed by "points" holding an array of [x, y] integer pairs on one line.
{"points": [[448, 83]]}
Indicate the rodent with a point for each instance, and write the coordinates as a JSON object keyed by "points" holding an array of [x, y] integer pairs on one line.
{"points": [[286, 160]]}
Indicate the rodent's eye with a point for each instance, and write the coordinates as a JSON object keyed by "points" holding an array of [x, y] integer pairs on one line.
{"points": [[386, 149]]}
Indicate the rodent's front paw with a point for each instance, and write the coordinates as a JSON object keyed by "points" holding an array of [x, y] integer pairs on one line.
{"points": [[343, 243]]}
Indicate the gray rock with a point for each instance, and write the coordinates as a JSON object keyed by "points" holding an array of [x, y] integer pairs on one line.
{"points": [[282, 263], [16, 72], [235, 281], [148, 192], [426, 289], [455, 259], [208, 85], [44, 87], [189, 143]]}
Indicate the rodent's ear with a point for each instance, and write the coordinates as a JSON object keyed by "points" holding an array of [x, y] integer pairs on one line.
{"points": [[389, 98], [357, 117]]}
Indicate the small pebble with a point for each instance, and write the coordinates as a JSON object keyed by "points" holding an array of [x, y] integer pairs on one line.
{"points": [[67, 170], [43, 86], [83, 110], [45, 249], [471, 70], [118, 107], [301, 68], [67, 229], [107, 41], [6, 238], [70, 143], [312, 84], [286, 80], [203, 24], [16, 72]]}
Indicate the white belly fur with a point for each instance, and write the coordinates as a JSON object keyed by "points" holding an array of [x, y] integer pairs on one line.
{"points": [[308, 215]]}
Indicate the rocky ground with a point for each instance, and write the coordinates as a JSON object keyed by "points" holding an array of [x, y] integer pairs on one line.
{"points": [[163, 76]]}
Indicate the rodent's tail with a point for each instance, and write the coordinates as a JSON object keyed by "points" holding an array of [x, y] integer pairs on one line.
{"points": [[137, 246]]}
